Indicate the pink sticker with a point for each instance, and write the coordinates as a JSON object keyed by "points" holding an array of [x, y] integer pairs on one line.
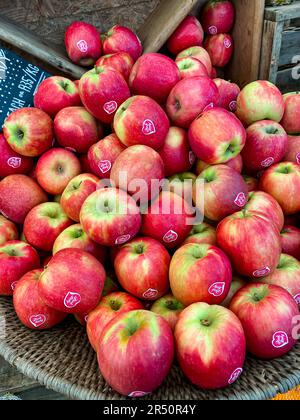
{"points": [[72, 299], [263, 272], [298, 158], [233, 106], [122, 239], [82, 46], [280, 339], [138, 394], [86, 318], [170, 237], [213, 30], [104, 166], [267, 162], [217, 289], [192, 158], [13, 285], [37, 320], [227, 43], [240, 200], [110, 107], [71, 149], [297, 298], [148, 127], [14, 162], [235, 376], [209, 106], [150, 294]]}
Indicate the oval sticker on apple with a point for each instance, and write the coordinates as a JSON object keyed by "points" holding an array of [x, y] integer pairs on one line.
{"points": [[72, 299], [280, 339], [235, 375], [192, 158], [170, 236], [110, 107], [297, 298], [209, 106], [71, 149], [240, 200], [138, 394], [38, 320], [122, 239], [233, 106], [13, 285], [148, 127], [213, 30], [298, 158], [82, 46], [267, 162], [104, 166], [217, 289], [227, 43], [263, 272], [14, 162], [150, 294]]}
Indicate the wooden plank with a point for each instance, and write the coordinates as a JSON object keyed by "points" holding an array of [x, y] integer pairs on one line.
{"points": [[290, 46], [247, 33], [279, 14], [288, 80]]}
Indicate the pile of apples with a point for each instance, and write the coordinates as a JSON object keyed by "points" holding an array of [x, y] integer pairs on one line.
{"points": [[146, 283]]}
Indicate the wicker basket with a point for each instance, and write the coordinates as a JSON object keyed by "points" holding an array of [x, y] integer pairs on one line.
{"points": [[63, 360]]}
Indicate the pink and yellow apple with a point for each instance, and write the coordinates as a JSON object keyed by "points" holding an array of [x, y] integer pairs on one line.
{"points": [[220, 48], [122, 39], [8, 231], [121, 61], [291, 117], [228, 93], [290, 240], [202, 234], [191, 67]]}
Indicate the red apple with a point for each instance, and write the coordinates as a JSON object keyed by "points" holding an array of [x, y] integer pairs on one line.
{"points": [[200, 53], [85, 165], [259, 101], [169, 308], [30, 308], [188, 34], [140, 120], [75, 194], [122, 39], [202, 234], [176, 152], [75, 237], [189, 98], [235, 163], [282, 181], [293, 150], [252, 183], [252, 244], [109, 308], [8, 231], [16, 259], [121, 61], [205, 354], [76, 129], [102, 90], [12, 163], [168, 219], [291, 117], [18, 195], [217, 136], [83, 43], [228, 93], [110, 217], [43, 224], [146, 76], [214, 73], [110, 284], [218, 16], [220, 48], [182, 184], [29, 131], [236, 285], [191, 67], [142, 268], [144, 344], [56, 93], [267, 314], [290, 240], [55, 169]]}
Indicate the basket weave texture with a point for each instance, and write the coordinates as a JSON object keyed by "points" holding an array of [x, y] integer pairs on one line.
{"points": [[63, 360]]}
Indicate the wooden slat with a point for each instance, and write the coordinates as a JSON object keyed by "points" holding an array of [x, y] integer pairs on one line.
{"points": [[290, 46], [270, 52], [286, 80], [279, 14]]}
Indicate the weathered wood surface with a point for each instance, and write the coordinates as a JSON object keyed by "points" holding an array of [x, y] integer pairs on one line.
{"points": [[290, 46], [282, 13], [288, 80]]}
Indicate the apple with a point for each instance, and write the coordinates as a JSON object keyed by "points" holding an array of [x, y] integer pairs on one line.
{"points": [[75, 237], [293, 150], [176, 152], [135, 171], [122, 39], [169, 308], [290, 240], [236, 284], [267, 313], [264, 204], [56, 93], [252, 244], [282, 181], [235, 163], [76, 129], [110, 217], [110, 284], [188, 34], [291, 117], [217, 136], [16, 259], [202, 234], [146, 76], [143, 343], [191, 67], [218, 16], [200, 273], [83, 43], [55, 169], [121, 61], [251, 182], [102, 90], [228, 93], [8, 231], [167, 219], [109, 308], [214, 73], [259, 101], [30, 308], [182, 184], [140, 120], [221, 185], [12, 163], [43, 224], [18, 195], [266, 144], [142, 268], [189, 98], [205, 354], [85, 165], [220, 48], [29, 131], [75, 194], [200, 54]]}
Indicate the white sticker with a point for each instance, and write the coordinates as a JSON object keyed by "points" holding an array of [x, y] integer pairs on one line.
{"points": [[263, 272], [297, 298], [104, 166], [170, 236], [267, 162], [86, 318], [192, 158], [122, 239], [298, 158], [213, 30], [14, 162], [240, 200], [13, 285], [110, 107], [209, 106], [227, 43], [71, 149], [72, 299], [280, 339], [148, 127], [150, 294], [235, 376], [38, 320], [233, 106], [137, 394], [217, 289], [82, 46]]}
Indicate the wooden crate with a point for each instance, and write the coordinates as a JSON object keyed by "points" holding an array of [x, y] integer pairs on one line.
{"points": [[280, 54]]}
